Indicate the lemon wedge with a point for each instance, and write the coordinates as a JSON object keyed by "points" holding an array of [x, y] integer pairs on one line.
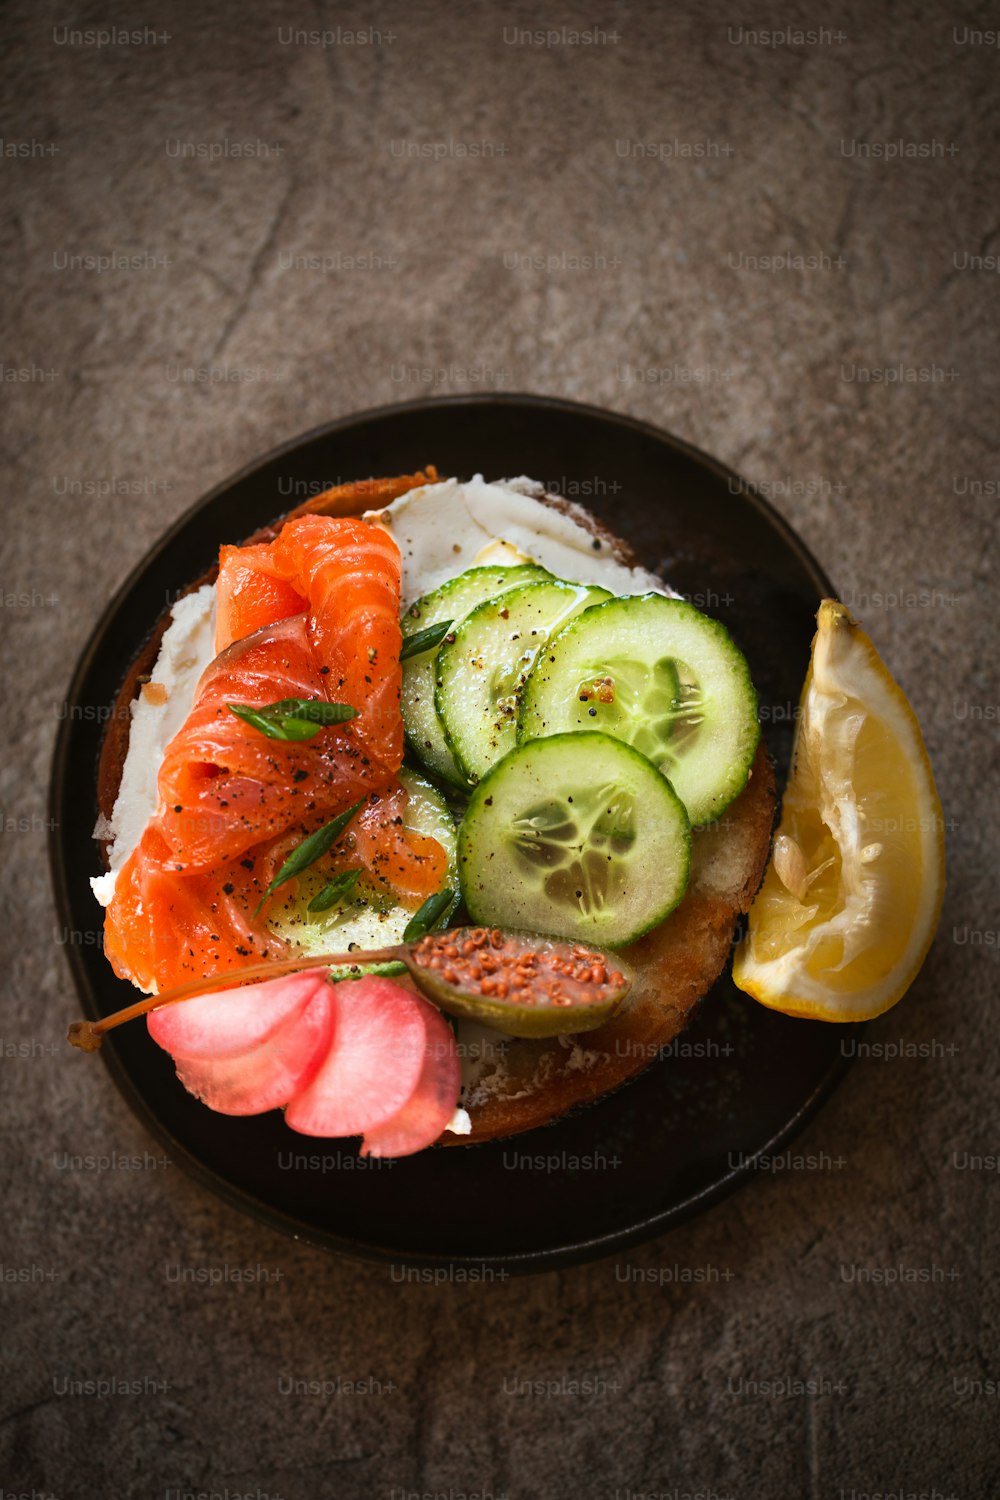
{"points": [[852, 895]]}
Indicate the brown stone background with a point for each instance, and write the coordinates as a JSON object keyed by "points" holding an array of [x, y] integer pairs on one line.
{"points": [[893, 485]]}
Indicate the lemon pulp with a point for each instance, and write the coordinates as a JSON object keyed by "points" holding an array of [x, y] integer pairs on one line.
{"points": [[853, 891]]}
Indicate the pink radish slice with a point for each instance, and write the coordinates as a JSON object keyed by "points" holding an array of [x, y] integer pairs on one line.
{"points": [[373, 1066], [232, 1022], [272, 1072], [432, 1104]]}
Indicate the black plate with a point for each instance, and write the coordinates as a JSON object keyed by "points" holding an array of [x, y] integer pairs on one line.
{"points": [[742, 1080]]}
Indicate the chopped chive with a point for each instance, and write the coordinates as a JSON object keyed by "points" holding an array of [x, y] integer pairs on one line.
{"points": [[310, 850], [284, 729], [424, 640], [293, 718], [316, 710], [428, 916], [335, 890]]}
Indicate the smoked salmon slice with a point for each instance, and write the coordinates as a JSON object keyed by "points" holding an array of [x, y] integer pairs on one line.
{"points": [[164, 927], [234, 803], [251, 589], [223, 785], [250, 594], [350, 573], [400, 859]]}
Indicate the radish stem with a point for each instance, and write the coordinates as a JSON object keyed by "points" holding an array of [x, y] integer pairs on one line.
{"points": [[88, 1035]]}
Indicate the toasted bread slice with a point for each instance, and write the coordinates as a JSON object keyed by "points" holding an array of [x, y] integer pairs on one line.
{"points": [[524, 1084]]}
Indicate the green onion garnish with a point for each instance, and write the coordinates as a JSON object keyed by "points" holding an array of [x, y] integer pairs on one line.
{"points": [[310, 850], [428, 916], [335, 890], [424, 640], [293, 718]]}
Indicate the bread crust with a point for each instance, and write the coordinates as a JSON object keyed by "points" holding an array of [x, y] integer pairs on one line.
{"points": [[531, 1083]]}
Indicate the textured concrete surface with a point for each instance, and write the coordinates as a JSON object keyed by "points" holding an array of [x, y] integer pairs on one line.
{"points": [[671, 151]]}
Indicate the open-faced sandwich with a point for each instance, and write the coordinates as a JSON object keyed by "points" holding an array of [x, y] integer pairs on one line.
{"points": [[435, 809]]}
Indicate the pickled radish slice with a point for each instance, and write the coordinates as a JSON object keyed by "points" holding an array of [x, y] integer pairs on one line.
{"points": [[373, 1066], [265, 1077], [432, 1104], [230, 1023]]}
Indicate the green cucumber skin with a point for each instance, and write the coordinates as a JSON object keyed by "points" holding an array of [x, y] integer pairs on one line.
{"points": [[524, 594], [447, 781], [531, 723], [481, 585], [437, 605], [491, 786]]}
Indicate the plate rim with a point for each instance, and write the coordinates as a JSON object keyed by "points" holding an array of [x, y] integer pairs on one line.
{"points": [[512, 1263]]}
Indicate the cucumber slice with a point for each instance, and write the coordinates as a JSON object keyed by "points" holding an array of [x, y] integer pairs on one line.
{"points": [[483, 668], [452, 601], [576, 835], [369, 917], [665, 678]]}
